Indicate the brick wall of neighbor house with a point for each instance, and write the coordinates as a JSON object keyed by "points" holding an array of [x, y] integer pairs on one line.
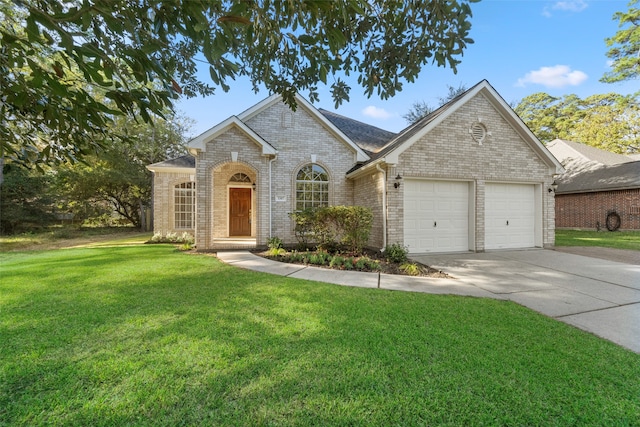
{"points": [[163, 201], [297, 136], [449, 152], [587, 210], [368, 193]]}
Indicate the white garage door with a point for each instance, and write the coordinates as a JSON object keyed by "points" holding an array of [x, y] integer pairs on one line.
{"points": [[509, 216], [436, 216]]}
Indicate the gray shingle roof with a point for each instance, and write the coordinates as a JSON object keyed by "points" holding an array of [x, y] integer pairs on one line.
{"points": [[565, 150], [414, 128], [186, 161], [600, 178], [367, 137]]}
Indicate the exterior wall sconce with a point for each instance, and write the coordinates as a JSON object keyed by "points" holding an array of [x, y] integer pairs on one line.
{"points": [[397, 183], [553, 187], [253, 185]]}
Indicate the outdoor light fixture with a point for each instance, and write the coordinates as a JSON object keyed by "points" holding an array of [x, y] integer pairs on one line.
{"points": [[553, 187], [253, 185], [397, 183]]}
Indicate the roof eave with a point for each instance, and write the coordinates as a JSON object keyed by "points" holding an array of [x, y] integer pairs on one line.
{"points": [[199, 143]]}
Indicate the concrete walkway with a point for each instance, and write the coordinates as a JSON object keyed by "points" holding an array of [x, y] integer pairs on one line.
{"points": [[598, 296]]}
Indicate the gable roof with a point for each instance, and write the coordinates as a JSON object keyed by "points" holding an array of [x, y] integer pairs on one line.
{"points": [[390, 153], [199, 143], [361, 155], [184, 164], [369, 138], [622, 176], [565, 150]]}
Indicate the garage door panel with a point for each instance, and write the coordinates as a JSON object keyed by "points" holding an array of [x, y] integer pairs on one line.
{"points": [[436, 216], [509, 216]]}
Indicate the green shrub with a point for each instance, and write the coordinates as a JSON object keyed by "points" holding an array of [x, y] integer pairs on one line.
{"points": [[277, 252], [274, 243], [410, 268], [304, 222], [296, 257], [172, 238], [367, 264], [337, 261], [348, 264], [396, 253], [334, 227]]}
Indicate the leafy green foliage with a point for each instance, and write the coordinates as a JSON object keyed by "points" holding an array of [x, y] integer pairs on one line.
{"points": [[274, 243], [59, 60], [420, 109], [334, 227], [396, 253], [624, 47], [116, 179], [410, 268], [608, 121], [25, 202], [95, 336]]}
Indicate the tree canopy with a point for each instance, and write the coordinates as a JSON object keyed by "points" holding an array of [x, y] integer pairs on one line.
{"points": [[624, 47], [67, 68], [419, 109], [608, 121]]}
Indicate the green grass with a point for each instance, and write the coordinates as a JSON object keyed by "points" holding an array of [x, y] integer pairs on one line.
{"points": [[65, 236], [616, 239], [146, 335]]}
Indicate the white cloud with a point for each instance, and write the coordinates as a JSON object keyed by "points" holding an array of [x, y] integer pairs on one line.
{"points": [[376, 113], [570, 6], [566, 6], [557, 76]]}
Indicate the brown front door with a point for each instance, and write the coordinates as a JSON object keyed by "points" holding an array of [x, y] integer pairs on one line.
{"points": [[239, 212]]}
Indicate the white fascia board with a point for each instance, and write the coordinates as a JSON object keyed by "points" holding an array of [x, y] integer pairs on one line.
{"points": [[516, 122], [171, 169], [259, 107], [199, 143], [502, 107], [366, 168], [361, 156]]}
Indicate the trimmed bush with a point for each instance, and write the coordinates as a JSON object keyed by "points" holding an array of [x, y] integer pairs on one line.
{"points": [[334, 228], [396, 253]]}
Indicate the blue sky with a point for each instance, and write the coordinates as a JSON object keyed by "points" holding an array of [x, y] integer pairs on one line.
{"points": [[521, 47]]}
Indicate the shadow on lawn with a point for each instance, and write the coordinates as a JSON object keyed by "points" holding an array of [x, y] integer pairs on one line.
{"points": [[144, 334]]}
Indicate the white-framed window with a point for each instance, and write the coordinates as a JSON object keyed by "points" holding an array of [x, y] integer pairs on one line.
{"points": [[312, 187], [185, 205]]}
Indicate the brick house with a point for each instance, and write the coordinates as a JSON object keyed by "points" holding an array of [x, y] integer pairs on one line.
{"points": [[599, 189], [468, 177]]}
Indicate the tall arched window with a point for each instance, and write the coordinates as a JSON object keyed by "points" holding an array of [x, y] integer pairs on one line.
{"points": [[185, 205], [312, 187]]}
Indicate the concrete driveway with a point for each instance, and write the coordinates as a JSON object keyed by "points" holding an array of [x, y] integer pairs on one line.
{"points": [[596, 295]]}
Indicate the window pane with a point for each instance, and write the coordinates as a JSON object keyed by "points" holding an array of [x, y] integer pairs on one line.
{"points": [[184, 205]]}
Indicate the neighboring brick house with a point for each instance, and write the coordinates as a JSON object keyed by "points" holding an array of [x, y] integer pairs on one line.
{"points": [[599, 190], [468, 177]]}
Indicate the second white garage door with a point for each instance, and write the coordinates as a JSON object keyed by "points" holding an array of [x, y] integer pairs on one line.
{"points": [[436, 216], [509, 216]]}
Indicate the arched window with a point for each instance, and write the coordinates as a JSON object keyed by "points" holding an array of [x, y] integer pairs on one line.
{"points": [[240, 177], [185, 205], [312, 187]]}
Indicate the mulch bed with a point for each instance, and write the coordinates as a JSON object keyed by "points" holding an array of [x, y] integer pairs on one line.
{"points": [[385, 266]]}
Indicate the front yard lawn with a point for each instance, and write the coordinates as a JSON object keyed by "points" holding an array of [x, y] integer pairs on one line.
{"points": [[607, 239], [147, 335]]}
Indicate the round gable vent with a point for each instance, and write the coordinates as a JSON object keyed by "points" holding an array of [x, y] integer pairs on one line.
{"points": [[478, 132]]}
